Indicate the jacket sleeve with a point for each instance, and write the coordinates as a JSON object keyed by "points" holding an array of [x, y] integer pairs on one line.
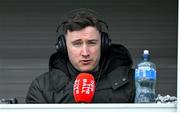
{"points": [[132, 72], [35, 94]]}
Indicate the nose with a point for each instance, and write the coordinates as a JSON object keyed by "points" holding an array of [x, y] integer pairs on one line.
{"points": [[85, 50]]}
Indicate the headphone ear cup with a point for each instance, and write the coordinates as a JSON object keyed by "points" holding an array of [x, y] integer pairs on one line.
{"points": [[105, 43], [61, 45]]}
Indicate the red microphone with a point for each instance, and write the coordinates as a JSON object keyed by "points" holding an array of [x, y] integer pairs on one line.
{"points": [[84, 88]]}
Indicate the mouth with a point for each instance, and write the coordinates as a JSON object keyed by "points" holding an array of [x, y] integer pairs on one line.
{"points": [[85, 62]]}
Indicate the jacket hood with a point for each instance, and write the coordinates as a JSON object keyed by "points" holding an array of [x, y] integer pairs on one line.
{"points": [[118, 55]]}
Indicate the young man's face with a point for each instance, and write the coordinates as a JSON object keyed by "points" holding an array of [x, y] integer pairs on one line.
{"points": [[84, 48]]}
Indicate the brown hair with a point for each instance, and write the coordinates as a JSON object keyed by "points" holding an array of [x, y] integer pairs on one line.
{"points": [[79, 19]]}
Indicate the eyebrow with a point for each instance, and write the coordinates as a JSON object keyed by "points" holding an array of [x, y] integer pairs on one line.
{"points": [[76, 40], [91, 40]]}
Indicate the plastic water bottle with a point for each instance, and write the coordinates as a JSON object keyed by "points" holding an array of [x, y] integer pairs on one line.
{"points": [[145, 80]]}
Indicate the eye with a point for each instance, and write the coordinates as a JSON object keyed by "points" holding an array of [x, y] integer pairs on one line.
{"points": [[94, 42], [77, 43]]}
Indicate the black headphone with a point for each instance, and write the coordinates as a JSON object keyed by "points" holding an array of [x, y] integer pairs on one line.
{"points": [[61, 42]]}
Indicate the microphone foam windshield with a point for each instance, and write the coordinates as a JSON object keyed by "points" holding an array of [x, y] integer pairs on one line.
{"points": [[84, 88]]}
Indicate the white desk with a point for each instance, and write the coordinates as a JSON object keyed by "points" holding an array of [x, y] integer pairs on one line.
{"points": [[88, 108]]}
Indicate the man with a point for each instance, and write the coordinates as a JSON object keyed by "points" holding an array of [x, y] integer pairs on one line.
{"points": [[84, 47]]}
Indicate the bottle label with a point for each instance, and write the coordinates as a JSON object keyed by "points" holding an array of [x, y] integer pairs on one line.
{"points": [[146, 73]]}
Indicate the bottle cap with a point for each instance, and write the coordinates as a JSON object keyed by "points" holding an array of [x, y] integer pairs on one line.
{"points": [[146, 51]]}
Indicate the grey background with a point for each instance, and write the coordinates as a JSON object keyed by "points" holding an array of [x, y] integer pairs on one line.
{"points": [[27, 37]]}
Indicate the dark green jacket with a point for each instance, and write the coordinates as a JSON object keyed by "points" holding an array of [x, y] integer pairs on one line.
{"points": [[114, 83]]}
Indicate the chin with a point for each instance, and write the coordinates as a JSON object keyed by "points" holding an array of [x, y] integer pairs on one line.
{"points": [[86, 69]]}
